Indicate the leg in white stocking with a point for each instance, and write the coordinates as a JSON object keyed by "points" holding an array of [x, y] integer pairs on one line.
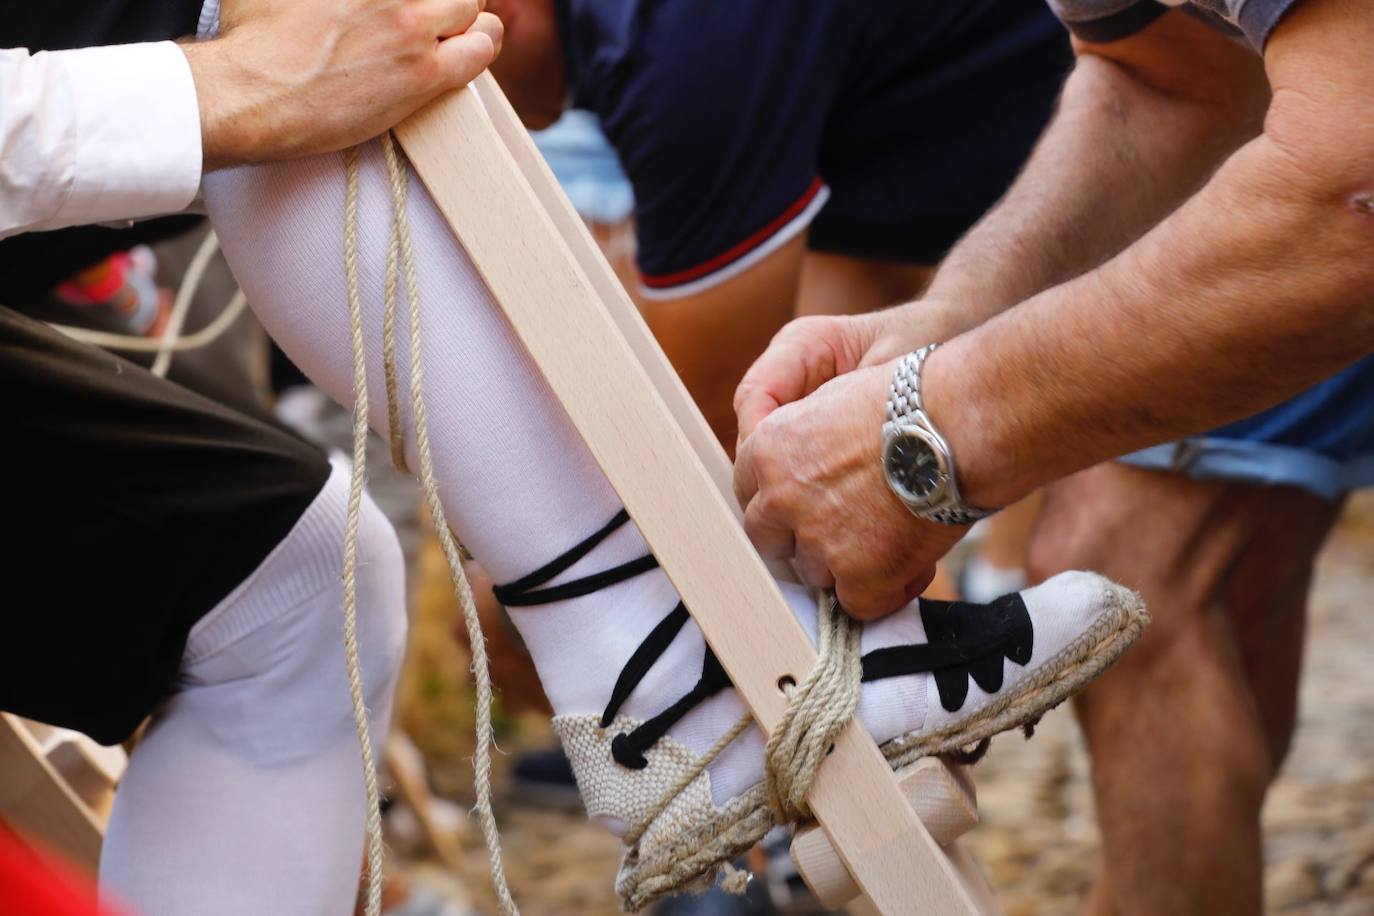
{"points": [[521, 489], [246, 793]]}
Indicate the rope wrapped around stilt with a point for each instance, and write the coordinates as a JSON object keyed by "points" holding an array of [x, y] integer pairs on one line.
{"points": [[818, 710]]}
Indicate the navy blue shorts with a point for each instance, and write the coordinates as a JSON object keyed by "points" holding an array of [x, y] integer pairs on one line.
{"points": [[887, 127]]}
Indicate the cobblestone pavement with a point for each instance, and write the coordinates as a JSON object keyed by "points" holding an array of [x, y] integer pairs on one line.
{"points": [[1038, 838]]}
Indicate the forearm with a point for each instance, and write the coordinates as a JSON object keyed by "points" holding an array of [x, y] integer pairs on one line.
{"points": [[1122, 152], [1257, 288]]}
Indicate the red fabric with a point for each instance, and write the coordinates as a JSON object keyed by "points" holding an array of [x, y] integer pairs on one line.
{"points": [[35, 884]]}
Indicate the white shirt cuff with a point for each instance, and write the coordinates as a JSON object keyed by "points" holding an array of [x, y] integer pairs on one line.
{"points": [[137, 135]]}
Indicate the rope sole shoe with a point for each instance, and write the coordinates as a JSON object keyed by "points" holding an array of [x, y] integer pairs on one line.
{"points": [[673, 766]]}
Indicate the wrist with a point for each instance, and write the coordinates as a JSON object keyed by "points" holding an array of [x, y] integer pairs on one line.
{"points": [[986, 445], [228, 134], [903, 328]]}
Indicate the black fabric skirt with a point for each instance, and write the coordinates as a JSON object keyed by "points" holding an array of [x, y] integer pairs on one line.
{"points": [[132, 507]]}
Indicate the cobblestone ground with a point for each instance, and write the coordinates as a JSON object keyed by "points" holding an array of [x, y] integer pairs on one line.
{"points": [[1038, 838]]}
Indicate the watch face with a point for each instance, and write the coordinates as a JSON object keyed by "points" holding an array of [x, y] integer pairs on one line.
{"points": [[912, 467]]}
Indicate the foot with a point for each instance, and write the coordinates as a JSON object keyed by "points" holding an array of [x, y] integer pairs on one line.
{"points": [[638, 701]]}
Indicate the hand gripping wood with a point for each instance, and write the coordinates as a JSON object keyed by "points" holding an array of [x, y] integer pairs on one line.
{"points": [[627, 403]]}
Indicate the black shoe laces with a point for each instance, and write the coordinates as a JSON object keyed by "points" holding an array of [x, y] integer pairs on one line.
{"points": [[965, 640]]}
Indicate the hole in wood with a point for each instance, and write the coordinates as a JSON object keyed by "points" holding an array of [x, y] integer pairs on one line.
{"points": [[786, 683]]}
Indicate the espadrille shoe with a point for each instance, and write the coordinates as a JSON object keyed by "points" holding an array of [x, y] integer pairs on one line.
{"points": [[937, 677]]}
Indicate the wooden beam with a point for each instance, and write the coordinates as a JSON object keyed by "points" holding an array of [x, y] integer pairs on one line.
{"points": [[942, 797], [652, 444], [35, 799]]}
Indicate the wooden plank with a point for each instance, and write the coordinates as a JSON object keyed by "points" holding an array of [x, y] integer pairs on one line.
{"points": [[942, 798], [614, 299], [407, 768], [561, 317], [38, 802], [604, 282]]}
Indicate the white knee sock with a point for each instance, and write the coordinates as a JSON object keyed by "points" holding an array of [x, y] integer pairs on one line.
{"points": [[246, 793], [518, 484]]}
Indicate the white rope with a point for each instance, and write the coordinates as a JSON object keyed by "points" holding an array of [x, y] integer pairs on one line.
{"points": [[181, 306], [131, 343], [171, 340]]}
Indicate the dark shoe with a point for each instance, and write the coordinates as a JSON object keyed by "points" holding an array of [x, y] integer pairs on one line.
{"points": [[545, 779]]}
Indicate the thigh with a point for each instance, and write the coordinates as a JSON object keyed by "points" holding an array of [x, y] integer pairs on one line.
{"points": [[1188, 542], [134, 507]]}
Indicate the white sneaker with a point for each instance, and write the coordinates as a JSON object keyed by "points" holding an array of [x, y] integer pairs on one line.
{"points": [[938, 676]]}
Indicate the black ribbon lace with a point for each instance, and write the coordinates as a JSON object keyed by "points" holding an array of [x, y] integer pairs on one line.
{"points": [[965, 640]]}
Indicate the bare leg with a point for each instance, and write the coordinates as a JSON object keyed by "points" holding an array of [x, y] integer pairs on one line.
{"points": [[1187, 731], [714, 336], [833, 284]]}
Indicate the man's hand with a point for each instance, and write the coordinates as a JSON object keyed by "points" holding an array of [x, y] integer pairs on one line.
{"points": [[812, 488], [290, 78], [808, 352]]}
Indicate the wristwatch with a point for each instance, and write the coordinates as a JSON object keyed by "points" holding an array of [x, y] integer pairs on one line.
{"points": [[916, 460]]}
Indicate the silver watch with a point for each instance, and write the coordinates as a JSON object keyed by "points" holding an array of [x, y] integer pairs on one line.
{"points": [[917, 462]]}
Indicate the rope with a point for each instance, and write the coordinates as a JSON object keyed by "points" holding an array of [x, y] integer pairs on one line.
{"points": [[129, 343], [393, 252], [820, 708], [350, 557], [817, 711], [400, 256], [170, 340], [181, 306], [481, 674]]}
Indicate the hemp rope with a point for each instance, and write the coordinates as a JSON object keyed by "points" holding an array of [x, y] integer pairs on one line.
{"points": [[350, 557], [400, 258], [817, 711]]}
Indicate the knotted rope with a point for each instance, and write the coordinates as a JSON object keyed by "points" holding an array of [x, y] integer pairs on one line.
{"points": [[818, 710], [400, 259]]}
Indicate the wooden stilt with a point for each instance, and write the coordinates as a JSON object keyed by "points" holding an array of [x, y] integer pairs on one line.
{"points": [[585, 335], [943, 799], [37, 799]]}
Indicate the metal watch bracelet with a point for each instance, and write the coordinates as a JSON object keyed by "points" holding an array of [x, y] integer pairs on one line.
{"points": [[904, 407]]}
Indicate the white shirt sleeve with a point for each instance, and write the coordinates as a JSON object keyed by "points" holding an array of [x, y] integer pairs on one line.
{"points": [[96, 134]]}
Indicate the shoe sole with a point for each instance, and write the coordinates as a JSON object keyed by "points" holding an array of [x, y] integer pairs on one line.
{"points": [[685, 855], [1058, 679]]}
